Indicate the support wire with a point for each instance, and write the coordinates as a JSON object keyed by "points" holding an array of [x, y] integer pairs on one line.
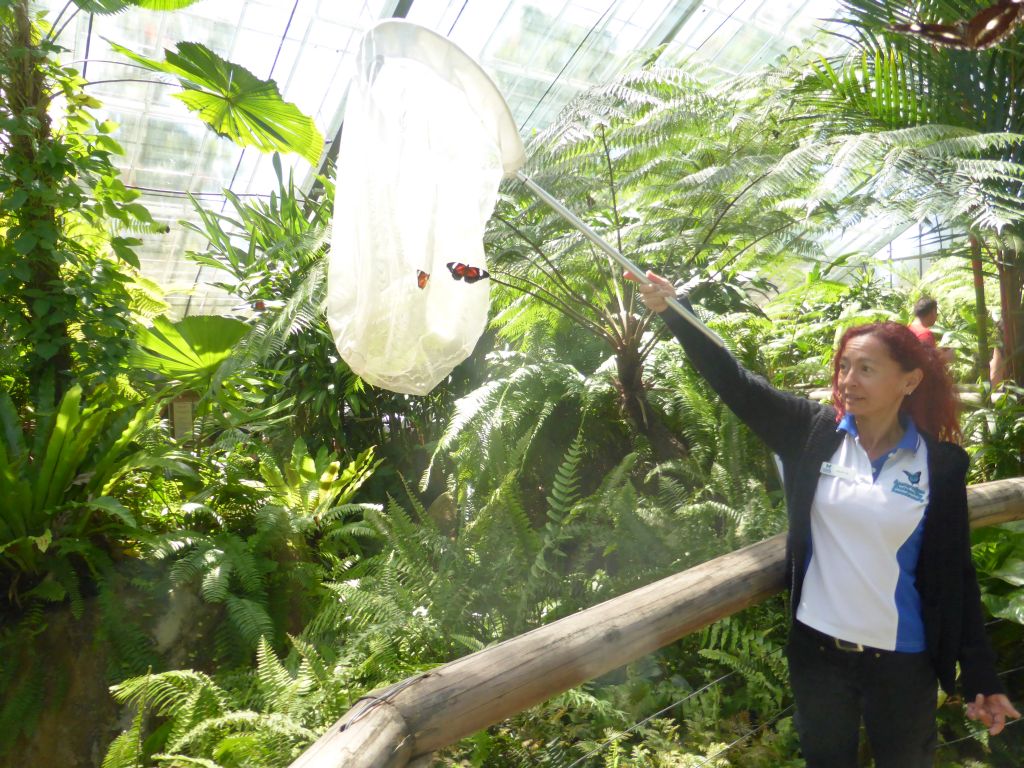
{"points": [[778, 716]]}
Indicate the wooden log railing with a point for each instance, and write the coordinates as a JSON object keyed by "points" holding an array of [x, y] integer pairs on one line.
{"points": [[402, 725]]}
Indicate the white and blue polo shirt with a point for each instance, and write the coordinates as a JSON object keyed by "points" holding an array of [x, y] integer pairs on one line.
{"points": [[867, 522]]}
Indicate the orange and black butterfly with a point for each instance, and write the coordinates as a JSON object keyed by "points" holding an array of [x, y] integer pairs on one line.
{"points": [[465, 272], [986, 28], [422, 278]]}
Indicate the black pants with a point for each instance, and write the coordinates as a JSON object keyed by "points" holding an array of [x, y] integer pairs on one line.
{"points": [[895, 693]]}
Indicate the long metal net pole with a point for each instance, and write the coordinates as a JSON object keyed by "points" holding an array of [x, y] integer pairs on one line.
{"points": [[587, 231]]}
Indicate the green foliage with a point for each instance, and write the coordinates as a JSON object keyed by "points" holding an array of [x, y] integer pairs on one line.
{"points": [[910, 89], [658, 711], [999, 559], [116, 6], [261, 720], [313, 488], [915, 65], [189, 357], [234, 103], [809, 318], [24, 694], [274, 251], [70, 279], [189, 351], [515, 418], [755, 656], [60, 469], [260, 550], [121, 612], [584, 459], [995, 434]]}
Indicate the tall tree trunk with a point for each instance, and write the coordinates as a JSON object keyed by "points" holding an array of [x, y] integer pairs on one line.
{"points": [[641, 416], [47, 306], [980, 309], [1011, 287]]}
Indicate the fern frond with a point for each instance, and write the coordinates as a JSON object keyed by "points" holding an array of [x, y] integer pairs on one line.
{"points": [[167, 693], [250, 618]]}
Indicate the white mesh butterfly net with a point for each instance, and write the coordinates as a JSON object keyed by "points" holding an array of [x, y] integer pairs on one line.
{"points": [[426, 140]]}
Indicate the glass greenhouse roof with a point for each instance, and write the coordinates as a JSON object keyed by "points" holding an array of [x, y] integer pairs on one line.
{"points": [[540, 54]]}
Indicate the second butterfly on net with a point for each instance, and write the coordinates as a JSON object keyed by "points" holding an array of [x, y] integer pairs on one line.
{"points": [[465, 272]]}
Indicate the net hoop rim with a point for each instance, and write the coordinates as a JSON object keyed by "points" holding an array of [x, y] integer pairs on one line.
{"points": [[392, 37]]}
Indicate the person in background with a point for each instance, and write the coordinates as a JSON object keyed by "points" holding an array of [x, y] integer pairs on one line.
{"points": [[926, 313], [884, 600]]}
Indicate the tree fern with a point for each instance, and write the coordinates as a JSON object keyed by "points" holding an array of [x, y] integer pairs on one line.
{"points": [[495, 427]]}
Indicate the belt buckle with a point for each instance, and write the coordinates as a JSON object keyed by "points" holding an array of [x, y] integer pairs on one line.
{"points": [[846, 645]]}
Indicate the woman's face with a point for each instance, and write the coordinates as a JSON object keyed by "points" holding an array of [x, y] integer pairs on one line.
{"points": [[870, 382]]}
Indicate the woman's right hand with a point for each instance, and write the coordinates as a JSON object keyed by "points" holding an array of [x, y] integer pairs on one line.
{"points": [[654, 294], [992, 710]]}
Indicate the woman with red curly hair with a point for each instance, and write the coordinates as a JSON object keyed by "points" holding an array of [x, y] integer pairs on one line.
{"points": [[884, 597]]}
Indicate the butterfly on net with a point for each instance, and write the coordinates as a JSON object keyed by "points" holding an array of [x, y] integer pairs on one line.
{"points": [[422, 278], [465, 272], [986, 28]]}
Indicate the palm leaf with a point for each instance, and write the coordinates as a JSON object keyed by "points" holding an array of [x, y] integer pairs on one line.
{"points": [[235, 103], [189, 351], [102, 7], [163, 5]]}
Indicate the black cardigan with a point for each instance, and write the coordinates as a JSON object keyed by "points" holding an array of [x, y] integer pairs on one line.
{"points": [[803, 433]]}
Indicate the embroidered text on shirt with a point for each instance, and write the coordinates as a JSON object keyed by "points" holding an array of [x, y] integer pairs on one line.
{"points": [[908, 490]]}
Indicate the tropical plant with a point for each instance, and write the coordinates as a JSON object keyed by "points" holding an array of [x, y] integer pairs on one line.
{"points": [[261, 549], [262, 720], [728, 483], [69, 273], [60, 473], [999, 559], [116, 6], [808, 319], [898, 80], [607, 148], [274, 252], [68, 221], [187, 353], [995, 434], [519, 421], [186, 358], [235, 103]]}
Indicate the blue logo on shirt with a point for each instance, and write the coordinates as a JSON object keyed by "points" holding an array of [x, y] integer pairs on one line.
{"points": [[913, 477], [908, 490]]}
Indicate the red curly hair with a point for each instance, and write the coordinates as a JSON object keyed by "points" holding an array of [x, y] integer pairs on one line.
{"points": [[933, 405]]}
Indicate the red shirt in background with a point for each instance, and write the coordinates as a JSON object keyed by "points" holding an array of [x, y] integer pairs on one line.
{"points": [[924, 335]]}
